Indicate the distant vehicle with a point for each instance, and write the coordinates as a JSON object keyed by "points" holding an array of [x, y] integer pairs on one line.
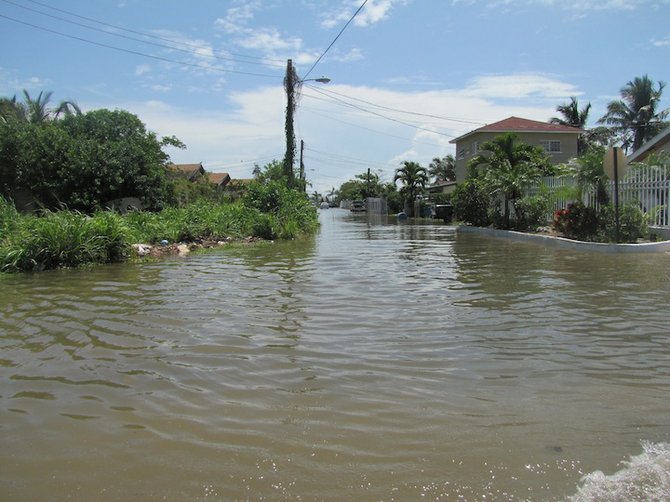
{"points": [[358, 206], [324, 205]]}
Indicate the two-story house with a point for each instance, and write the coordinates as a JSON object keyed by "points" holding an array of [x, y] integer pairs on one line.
{"points": [[559, 141]]}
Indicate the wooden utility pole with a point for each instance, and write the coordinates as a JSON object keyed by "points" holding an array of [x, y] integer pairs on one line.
{"points": [[302, 165], [290, 81]]}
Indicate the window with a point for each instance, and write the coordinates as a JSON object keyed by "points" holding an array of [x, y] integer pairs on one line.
{"points": [[475, 148], [551, 146], [461, 153]]}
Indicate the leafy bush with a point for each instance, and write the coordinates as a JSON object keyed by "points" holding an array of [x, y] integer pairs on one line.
{"points": [[585, 223], [577, 221], [471, 202], [633, 224], [531, 211]]}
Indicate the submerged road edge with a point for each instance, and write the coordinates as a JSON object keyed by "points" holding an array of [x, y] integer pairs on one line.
{"points": [[562, 242]]}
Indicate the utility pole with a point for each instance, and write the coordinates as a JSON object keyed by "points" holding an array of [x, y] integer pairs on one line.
{"points": [[290, 81], [302, 165]]}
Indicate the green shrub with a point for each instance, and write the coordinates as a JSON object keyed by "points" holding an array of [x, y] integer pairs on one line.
{"points": [[531, 212], [577, 221], [472, 202], [633, 224]]}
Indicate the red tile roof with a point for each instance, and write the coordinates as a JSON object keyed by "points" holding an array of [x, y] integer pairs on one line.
{"points": [[516, 124]]}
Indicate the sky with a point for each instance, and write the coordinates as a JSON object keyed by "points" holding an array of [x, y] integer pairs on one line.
{"points": [[407, 76]]}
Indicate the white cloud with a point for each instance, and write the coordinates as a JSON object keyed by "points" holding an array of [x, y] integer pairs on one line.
{"points": [[373, 12], [269, 40], [519, 86], [237, 18], [354, 54], [142, 69], [663, 42], [10, 84], [196, 51]]}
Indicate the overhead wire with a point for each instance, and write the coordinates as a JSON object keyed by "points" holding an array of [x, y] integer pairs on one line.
{"points": [[144, 34], [335, 40], [138, 53], [439, 117], [372, 112], [196, 51]]}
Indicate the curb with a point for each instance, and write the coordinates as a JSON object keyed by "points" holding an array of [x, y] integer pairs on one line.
{"points": [[563, 243]]}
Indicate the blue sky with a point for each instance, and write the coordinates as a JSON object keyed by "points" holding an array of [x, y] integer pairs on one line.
{"points": [[407, 75]]}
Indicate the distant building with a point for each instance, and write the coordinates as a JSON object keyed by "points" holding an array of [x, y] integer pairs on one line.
{"points": [[658, 144], [441, 187], [189, 171], [559, 141], [219, 180]]}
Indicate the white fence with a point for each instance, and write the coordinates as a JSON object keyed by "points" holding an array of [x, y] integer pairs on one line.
{"points": [[646, 186]]}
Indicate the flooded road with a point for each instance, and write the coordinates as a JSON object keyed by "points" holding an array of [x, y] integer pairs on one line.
{"points": [[378, 361]]}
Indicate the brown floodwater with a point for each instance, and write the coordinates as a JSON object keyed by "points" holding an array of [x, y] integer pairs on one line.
{"points": [[377, 361]]}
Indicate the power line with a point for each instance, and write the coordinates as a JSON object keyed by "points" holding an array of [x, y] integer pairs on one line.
{"points": [[335, 40], [371, 112], [439, 117], [330, 117], [195, 51], [137, 53], [149, 35]]}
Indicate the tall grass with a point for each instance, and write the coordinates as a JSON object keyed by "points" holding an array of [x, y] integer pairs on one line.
{"points": [[69, 239]]}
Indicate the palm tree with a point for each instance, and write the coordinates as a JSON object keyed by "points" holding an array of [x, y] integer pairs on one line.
{"points": [[508, 166], [635, 116], [573, 117], [11, 110], [414, 179], [443, 169], [36, 110]]}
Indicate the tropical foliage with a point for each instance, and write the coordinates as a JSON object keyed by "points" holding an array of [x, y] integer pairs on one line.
{"points": [[507, 167], [636, 117], [84, 160], [572, 116], [443, 169], [413, 179], [35, 110]]}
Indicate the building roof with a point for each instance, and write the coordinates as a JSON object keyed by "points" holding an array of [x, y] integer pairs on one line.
{"points": [[188, 170], [239, 182], [519, 125], [655, 144], [219, 179]]}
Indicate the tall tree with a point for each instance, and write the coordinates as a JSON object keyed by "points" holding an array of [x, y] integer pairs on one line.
{"points": [[414, 179], [508, 166], [635, 116], [443, 169], [35, 110], [572, 116]]}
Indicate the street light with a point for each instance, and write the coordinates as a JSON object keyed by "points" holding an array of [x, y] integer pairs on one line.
{"points": [[292, 84]]}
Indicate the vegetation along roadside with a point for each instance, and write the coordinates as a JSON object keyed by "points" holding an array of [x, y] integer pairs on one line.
{"points": [[68, 165]]}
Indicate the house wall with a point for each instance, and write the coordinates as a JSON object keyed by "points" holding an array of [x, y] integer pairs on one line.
{"points": [[466, 148]]}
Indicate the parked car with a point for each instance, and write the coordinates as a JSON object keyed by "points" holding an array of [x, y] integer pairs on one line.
{"points": [[358, 206]]}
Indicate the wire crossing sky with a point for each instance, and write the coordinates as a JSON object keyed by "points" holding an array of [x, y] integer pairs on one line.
{"points": [[407, 75]]}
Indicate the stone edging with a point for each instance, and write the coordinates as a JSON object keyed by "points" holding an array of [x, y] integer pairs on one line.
{"points": [[562, 242]]}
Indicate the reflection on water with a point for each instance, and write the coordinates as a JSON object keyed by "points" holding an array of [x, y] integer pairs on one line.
{"points": [[379, 361]]}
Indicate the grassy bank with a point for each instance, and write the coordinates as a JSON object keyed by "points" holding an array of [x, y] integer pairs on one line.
{"points": [[70, 239]]}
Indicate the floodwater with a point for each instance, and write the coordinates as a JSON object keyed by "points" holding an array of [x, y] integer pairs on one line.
{"points": [[378, 361]]}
